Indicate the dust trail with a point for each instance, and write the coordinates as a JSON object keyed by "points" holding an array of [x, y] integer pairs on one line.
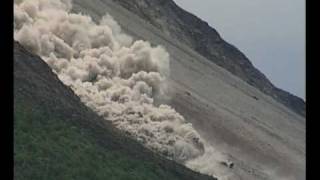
{"points": [[115, 76]]}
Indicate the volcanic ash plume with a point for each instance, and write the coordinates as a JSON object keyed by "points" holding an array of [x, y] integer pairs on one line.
{"points": [[115, 76]]}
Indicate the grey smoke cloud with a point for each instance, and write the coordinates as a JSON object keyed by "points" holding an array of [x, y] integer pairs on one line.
{"points": [[116, 77]]}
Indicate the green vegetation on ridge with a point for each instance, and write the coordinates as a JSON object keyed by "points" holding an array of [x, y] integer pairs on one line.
{"points": [[50, 148]]}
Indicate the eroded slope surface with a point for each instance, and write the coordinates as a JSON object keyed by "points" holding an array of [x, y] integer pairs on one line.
{"points": [[265, 139], [197, 34]]}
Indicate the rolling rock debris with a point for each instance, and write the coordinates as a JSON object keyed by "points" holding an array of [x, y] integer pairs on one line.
{"points": [[116, 77]]}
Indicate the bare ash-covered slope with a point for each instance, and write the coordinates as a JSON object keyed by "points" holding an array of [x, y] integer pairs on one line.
{"points": [[264, 138], [197, 34]]}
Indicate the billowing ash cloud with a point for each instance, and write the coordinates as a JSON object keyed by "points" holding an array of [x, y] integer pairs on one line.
{"points": [[116, 77]]}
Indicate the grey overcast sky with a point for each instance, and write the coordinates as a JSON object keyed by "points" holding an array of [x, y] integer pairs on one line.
{"points": [[271, 33]]}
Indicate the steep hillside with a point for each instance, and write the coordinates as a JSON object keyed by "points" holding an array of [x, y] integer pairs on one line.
{"points": [[57, 137], [209, 118], [263, 138], [197, 34]]}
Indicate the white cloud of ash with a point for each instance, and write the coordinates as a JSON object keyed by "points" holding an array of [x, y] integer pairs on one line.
{"points": [[115, 76]]}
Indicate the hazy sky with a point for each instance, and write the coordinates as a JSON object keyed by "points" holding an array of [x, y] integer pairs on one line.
{"points": [[271, 33]]}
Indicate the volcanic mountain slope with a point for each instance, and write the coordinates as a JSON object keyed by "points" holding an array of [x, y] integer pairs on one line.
{"points": [[57, 137], [198, 35], [264, 138]]}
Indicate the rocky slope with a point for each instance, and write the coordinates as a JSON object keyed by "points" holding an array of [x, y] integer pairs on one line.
{"points": [[197, 34], [66, 140], [263, 138]]}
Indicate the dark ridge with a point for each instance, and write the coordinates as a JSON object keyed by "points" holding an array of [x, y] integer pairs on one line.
{"points": [[58, 137], [197, 34]]}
